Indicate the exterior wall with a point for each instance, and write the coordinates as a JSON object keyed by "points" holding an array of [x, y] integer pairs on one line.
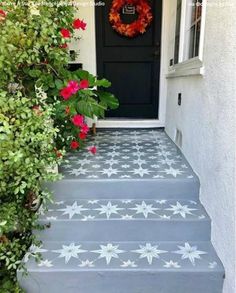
{"points": [[86, 46], [207, 121]]}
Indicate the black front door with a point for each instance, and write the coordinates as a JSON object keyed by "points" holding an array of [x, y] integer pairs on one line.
{"points": [[131, 64]]}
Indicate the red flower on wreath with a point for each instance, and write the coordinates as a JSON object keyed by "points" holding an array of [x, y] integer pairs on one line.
{"points": [[139, 26], [65, 33]]}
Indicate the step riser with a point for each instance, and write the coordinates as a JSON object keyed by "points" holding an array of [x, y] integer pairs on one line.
{"points": [[120, 189], [127, 231], [122, 282]]}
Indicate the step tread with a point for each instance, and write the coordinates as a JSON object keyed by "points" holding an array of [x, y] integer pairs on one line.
{"points": [[125, 210], [136, 256], [137, 154]]}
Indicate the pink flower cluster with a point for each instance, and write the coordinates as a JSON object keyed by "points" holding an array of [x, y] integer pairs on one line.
{"points": [[78, 121], [73, 87], [66, 33]]}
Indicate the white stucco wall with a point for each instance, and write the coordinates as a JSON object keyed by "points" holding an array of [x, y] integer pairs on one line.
{"points": [[86, 46], [207, 121]]}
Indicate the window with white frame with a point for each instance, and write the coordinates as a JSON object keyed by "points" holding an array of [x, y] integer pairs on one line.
{"points": [[188, 33]]}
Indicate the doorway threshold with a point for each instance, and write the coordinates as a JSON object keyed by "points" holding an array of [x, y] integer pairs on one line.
{"points": [[128, 123]]}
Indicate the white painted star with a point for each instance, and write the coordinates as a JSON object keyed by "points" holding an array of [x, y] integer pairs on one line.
{"points": [[79, 171], [72, 210], [125, 166], [125, 176], [108, 252], [86, 263], [168, 161], [141, 172], [111, 161], [92, 176], [128, 263], [126, 201], [155, 166], [96, 166], [158, 176], [34, 250], [45, 263], [51, 218], [162, 201], [69, 251], [109, 209], [59, 202], [127, 217], [84, 162], [93, 201], [173, 172], [139, 161], [171, 264], [144, 209], [183, 210], [109, 172], [125, 157], [148, 251], [212, 265], [88, 218], [165, 217], [190, 252], [114, 154]]}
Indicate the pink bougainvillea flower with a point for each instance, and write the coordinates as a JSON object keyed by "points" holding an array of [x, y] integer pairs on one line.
{"points": [[79, 24], [84, 128], [66, 93], [65, 33], [78, 120], [84, 84], [2, 13], [82, 135], [92, 150], [74, 144], [63, 46], [74, 86]]}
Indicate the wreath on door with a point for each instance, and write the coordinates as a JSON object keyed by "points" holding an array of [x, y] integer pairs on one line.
{"points": [[139, 26]]}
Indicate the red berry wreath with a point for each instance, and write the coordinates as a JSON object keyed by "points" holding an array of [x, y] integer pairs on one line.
{"points": [[135, 28]]}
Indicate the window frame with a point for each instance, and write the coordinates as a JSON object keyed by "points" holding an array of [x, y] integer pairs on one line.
{"points": [[194, 65]]}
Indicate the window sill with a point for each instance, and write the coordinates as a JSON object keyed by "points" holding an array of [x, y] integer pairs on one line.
{"points": [[190, 67]]}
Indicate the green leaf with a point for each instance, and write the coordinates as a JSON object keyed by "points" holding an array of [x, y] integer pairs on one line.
{"points": [[103, 83], [108, 99]]}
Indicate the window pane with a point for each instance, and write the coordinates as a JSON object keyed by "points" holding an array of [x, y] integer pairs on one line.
{"points": [[193, 28], [177, 31]]}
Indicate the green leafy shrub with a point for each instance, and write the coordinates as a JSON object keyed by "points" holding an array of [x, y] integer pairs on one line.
{"points": [[37, 122], [27, 152]]}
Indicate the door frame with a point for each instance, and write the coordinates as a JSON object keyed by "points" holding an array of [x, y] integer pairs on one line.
{"points": [[147, 123]]}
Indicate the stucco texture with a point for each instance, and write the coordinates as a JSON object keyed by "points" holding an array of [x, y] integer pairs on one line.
{"points": [[207, 121]]}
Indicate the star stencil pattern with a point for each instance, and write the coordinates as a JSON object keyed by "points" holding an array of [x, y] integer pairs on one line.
{"points": [[143, 154]]}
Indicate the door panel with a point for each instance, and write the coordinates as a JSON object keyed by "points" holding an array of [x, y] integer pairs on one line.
{"points": [[131, 64]]}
